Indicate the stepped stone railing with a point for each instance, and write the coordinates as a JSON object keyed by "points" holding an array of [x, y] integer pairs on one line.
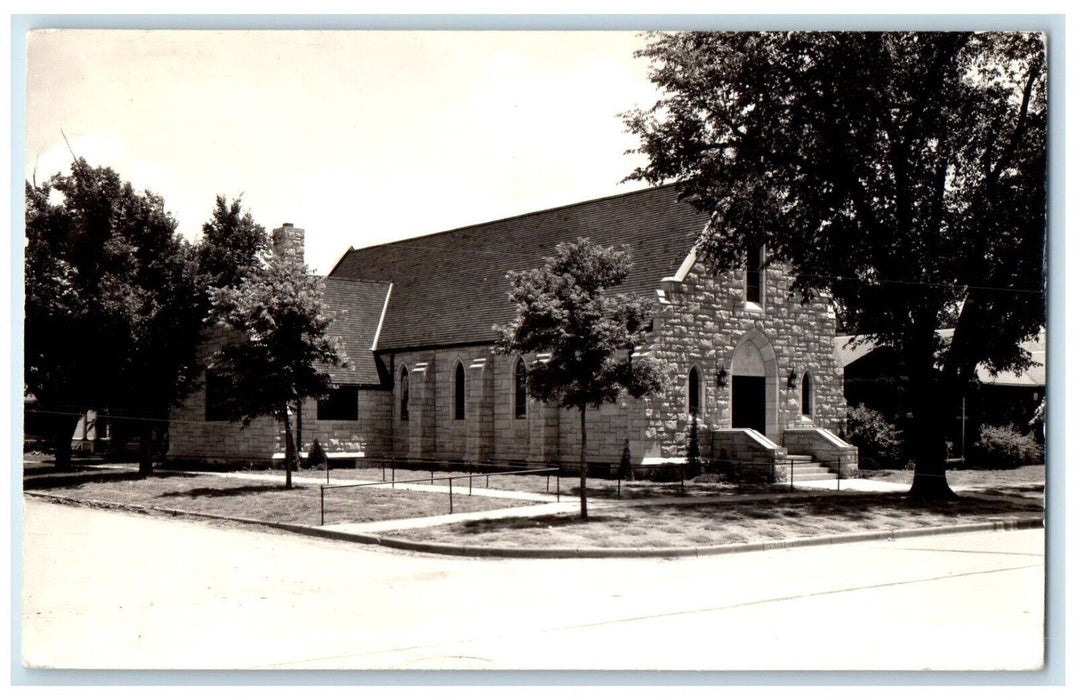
{"points": [[825, 447]]}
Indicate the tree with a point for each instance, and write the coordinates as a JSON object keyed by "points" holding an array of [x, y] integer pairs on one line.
{"points": [[590, 336], [168, 311], [112, 306], [903, 174], [279, 349], [231, 244]]}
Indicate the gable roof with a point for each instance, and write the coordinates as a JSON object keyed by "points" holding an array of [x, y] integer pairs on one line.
{"points": [[358, 306], [1035, 375], [449, 288], [849, 349]]}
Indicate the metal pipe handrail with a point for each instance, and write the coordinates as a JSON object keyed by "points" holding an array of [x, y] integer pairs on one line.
{"points": [[491, 470]]}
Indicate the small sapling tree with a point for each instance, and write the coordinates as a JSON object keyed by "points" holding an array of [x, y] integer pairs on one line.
{"points": [[280, 345], [586, 334]]}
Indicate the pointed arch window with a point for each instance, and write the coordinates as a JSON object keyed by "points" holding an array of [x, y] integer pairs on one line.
{"points": [[693, 392], [459, 393], [806, 395], [521, 389], [405, 394]]}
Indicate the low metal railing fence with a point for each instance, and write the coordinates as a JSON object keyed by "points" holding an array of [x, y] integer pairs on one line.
{"points": [[741, 471], [549, 472]]}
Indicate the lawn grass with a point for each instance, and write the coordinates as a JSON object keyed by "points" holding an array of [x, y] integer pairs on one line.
{"points": [[270, 501], [967, 477], [708, 524], [261, 496]]}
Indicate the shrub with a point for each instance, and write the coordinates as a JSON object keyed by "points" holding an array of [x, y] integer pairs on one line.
{"points": [[880, 443], [626, 472], [665, 473], [316, 456], [1004, 447]]}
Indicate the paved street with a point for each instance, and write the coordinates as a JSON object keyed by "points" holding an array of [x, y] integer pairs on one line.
{"points": [[113, 590]]}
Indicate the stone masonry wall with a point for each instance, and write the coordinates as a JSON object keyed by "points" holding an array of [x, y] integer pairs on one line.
{"points": [[490, 429], [192, 437], [702, 321]]}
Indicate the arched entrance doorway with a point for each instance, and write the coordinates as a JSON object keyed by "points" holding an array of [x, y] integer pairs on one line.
{"points": [[754, 385]]}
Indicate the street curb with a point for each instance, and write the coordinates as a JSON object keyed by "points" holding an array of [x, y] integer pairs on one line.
{"points": [[674, 552], [1025, 523]]}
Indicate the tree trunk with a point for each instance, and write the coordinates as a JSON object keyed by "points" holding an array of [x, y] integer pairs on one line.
{"points": [[930, 406], [299, 429], [289, 447], [145, 449], [63, 430], [583, 462]]}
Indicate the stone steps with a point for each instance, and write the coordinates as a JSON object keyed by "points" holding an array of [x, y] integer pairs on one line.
{"points": [[819, 476], [804, 468]]}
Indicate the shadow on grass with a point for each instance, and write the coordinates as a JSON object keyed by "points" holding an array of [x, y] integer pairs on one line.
{"points": [[855, 507], [898, 503], [543, 522], [225, 492], [68, 479]]}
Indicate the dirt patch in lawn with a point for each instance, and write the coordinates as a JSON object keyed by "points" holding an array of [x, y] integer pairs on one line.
{"points": [[707, 524], [269, 501]]}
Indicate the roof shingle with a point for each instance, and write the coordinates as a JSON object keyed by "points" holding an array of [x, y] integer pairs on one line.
{"points": [[357, 305], [449, 288]]}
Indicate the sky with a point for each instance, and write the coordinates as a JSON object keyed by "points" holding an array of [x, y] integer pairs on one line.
{"points": [[358, 137]]}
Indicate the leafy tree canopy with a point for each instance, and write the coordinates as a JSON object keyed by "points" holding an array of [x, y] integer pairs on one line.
{"points": [[564, 311], [231, 243], [584, 334], [280, 349], [112, 303]]}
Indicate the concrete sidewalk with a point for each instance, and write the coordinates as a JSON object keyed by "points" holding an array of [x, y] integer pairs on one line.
{"points": [[860, 485]]}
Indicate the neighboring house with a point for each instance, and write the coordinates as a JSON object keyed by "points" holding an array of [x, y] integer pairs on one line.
{"points": [[754, 365], [92, 435], [874, 376]]}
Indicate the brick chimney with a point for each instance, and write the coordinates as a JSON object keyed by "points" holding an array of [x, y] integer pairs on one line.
{"points": [[288, 240]]}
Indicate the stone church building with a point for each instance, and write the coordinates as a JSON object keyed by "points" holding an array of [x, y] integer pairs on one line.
{"points": [[752, 364]]}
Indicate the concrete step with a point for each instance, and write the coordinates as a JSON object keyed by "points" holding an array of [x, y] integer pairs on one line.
{"points": [[808, 469], [800, 458], [810, 476], [807, 466]]}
